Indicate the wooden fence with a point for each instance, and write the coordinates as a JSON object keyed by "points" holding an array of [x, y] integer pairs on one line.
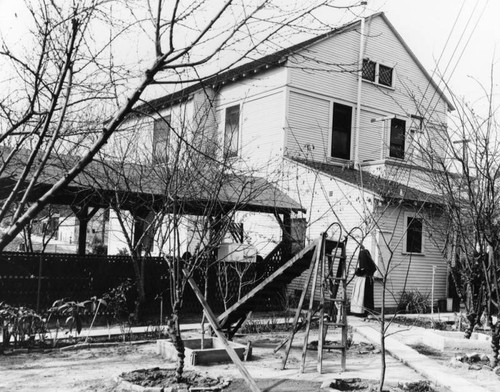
{"points": [[36, 280]]}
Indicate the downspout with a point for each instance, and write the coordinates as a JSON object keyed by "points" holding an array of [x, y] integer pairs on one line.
{"points": [[358, 100]]}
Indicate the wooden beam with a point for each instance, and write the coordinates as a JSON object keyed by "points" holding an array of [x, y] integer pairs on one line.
{"points": [[215, 326], [311, 302], [296, 327]]}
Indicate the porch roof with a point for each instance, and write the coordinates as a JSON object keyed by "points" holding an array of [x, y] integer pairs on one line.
{"points": [[136, 185], [386, 189]]}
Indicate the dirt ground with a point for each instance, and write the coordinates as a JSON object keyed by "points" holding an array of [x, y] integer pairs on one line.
{"points": [[96, 369]]}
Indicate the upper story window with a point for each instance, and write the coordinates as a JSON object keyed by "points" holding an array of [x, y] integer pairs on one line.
{"points": [[161, 138], [414, 228], [341, 131], [369, 70], [231, 131], [397, 140], [377, 73]]}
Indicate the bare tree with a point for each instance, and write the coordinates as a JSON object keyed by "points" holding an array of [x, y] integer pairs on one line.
{"points": [[468, 183], [181, 200], [69, 68]]}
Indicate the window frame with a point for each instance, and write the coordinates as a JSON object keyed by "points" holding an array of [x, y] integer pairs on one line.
{"points": [[368, 62], [236, 153], [404, 146], [407, 216], [379, 72], [349, 154], [166, 119], [376, 77]]}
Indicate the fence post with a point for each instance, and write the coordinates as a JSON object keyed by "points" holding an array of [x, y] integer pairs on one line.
{"points": [[39, 289]]}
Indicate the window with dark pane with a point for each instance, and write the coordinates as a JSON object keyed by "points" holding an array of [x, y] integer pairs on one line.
{"points": [[368, 72], [414, 233], [161, 137], [397, 143], [231, 131], [385, 75], [341, 132]]}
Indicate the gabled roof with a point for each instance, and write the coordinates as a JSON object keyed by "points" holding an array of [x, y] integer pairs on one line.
{"points": [[384, 188], [270, 61], [264, 63]]}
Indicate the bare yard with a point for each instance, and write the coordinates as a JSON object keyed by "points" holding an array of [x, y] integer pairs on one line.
{"points": [[96, 369]]}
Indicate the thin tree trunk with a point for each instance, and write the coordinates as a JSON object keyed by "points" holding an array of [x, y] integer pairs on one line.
{"points": [[495, 342], [175, 334], [382, 338]]}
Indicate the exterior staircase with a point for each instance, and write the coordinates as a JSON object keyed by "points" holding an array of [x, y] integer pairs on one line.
{"points": [[232, 319]]}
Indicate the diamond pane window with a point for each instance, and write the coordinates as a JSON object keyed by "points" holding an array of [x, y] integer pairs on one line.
{"points": [[385, 75], [368, 72]]}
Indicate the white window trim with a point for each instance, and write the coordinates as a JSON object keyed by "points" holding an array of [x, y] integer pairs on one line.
{"points": [[330, 133], [388, 140], [405, 227], [238, 141], [377, 73]]}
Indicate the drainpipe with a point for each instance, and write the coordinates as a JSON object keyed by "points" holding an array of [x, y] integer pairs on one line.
{"points": [[358, 101]]}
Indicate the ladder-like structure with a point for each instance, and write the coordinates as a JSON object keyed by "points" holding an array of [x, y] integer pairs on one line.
{"points": [[328, 268]]}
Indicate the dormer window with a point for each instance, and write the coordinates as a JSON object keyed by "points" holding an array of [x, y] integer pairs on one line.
{"points": [[377, 73]]}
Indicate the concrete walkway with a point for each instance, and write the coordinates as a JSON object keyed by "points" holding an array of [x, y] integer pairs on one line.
{"points": [[425, 366]]}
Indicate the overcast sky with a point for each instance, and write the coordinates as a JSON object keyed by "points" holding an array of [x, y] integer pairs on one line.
{"points": [[463, 35], [460, 36]]}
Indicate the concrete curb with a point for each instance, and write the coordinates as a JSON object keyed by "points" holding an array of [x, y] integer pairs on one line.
{"points": [[81, 346], [423, 365]]}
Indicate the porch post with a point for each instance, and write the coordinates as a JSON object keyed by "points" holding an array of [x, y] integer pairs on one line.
{"points": [[286, 227], [83, 215], [140, 216]]}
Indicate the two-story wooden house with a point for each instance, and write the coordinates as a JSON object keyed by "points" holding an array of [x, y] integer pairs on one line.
{"points": [[342, 123]]}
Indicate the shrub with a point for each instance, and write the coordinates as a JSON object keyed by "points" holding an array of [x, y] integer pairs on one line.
{"points": [[20, 323], [414, 302]]}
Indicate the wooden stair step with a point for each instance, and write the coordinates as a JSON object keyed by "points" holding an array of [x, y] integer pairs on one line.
{"points": [[334, 324], [334, 347]]}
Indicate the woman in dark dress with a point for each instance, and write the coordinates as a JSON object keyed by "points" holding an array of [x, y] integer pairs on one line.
{"points": [[362, 294]]}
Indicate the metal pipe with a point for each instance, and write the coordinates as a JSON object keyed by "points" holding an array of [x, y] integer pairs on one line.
{"points": [[358, 101]]}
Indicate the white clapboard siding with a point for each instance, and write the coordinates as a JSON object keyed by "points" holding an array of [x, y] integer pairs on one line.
{"points": [[316, 72], [327, 200], [262, 135], [307, 126], [411, 272], [252, 85]]}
